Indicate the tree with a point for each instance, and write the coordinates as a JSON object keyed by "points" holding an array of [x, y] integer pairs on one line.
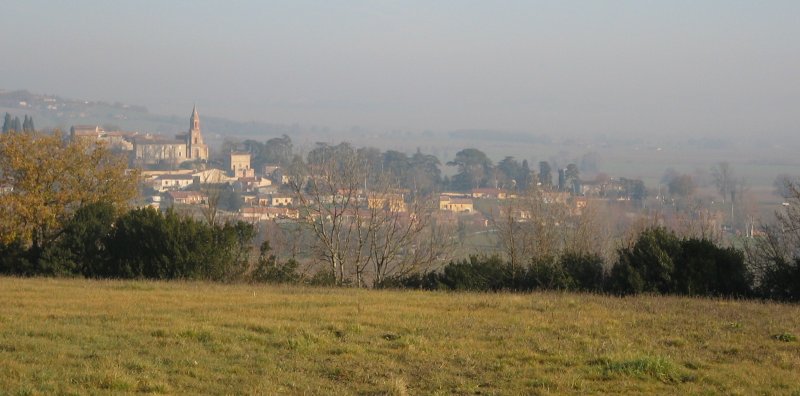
{"points": [[474, 169], [51, 180], [365, 228], [724, 180], [661, 262], [7, 123], [27, 124], [270, 270], [545, 173], [633, 189], [145, 243], [424, 176], [513, 173], [279, 150], [533, 227], [648, 265], [783, 185], [16, 125], [572, 178], [704, 269], [775, 257], [80, 250], [681, 186]]}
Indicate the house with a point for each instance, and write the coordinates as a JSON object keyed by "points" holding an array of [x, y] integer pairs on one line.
{"points": [[495, 193], [169, 182], [120, 141], [560, 197], [260, 213], [185, 198], [390, 201], [239, 164], [456, 204], [212, 176], [280, 200], [276, 173], [251, 184]]}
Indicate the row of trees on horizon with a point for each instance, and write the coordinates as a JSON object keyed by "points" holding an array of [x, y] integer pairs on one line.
{"points": [[67, 214]]}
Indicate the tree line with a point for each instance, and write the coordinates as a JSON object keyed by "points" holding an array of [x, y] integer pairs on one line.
{"points": [[64, 212], [14, 124]]}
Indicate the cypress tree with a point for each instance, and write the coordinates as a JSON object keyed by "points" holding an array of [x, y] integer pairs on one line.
{"points": [[7, 123], [16, 126]]}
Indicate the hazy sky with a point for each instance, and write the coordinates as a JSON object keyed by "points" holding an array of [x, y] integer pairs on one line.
{"points": [[633, 67]]}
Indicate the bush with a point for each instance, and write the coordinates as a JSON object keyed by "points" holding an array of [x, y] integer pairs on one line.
{"points": [[148, 244], [781, 280], [476, 273], [660, 262], [584, 270], [269, 270], [547, 273], [708, 270]]}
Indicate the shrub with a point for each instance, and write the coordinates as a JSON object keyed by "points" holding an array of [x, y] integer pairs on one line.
{"points": [[269, 270], [660, 262], [148, 244]]}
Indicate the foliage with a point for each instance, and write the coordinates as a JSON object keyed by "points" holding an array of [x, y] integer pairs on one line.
{"points": [[775, 256], [660, 262], [269, 270], [278, 151], [148, 244], [80, 250], [51, 180], [545, 173], [474, 169], [780, 280], [681, 185], [573, 271]]}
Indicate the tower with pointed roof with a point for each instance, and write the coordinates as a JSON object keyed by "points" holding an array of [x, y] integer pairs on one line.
{"points": [[195, 147]]}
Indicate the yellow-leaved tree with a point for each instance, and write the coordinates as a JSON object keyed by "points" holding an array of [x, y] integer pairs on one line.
{"points": [[45, 179]]}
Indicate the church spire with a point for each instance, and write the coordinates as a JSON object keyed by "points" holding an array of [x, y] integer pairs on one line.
{"points": [[194, 124]]}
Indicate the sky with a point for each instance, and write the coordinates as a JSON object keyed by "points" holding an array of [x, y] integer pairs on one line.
{"points": [[627, 68]]}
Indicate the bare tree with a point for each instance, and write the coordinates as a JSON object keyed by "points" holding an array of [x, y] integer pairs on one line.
{"points": [[365, 229], [326, 190], [724, 180]]}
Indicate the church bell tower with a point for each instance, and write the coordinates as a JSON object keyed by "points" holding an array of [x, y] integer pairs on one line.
{"points": [[196, 148]]}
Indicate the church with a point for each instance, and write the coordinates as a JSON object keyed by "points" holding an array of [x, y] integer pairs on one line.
{"points": [[189, 146]]}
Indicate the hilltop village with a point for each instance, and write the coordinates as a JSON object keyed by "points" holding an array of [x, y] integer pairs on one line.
{"points": [[253, 181]]}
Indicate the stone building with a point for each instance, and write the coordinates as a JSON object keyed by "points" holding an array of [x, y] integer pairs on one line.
{"points": [[240, 164], [149, 150]]}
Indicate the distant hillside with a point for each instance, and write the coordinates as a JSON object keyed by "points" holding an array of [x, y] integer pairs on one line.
{"points": [[51, 111]]}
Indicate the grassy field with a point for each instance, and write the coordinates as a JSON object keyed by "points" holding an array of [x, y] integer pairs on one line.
{"points": [[80, 336]]}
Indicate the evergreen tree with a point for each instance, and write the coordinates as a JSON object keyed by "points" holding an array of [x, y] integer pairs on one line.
{"points": [[7, 121], [16, 125], [545, 173]]}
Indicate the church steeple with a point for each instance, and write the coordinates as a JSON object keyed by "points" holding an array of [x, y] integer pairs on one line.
{"points": [[194, 121], [195, 147]]}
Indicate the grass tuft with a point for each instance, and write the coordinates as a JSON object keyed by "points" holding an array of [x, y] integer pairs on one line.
{"points": [[659, 368], [785, 337]]}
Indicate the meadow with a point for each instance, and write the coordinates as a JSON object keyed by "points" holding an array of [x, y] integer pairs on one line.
{"points": [[75, 336]]}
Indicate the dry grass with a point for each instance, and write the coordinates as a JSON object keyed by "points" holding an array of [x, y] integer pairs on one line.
{"points": [[79, 336]]}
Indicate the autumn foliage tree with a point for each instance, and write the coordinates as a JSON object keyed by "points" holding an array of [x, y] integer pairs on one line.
{"points": [[46, 180]]}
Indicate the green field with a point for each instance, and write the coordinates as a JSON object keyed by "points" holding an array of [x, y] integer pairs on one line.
{"points": [[83, 337]]}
